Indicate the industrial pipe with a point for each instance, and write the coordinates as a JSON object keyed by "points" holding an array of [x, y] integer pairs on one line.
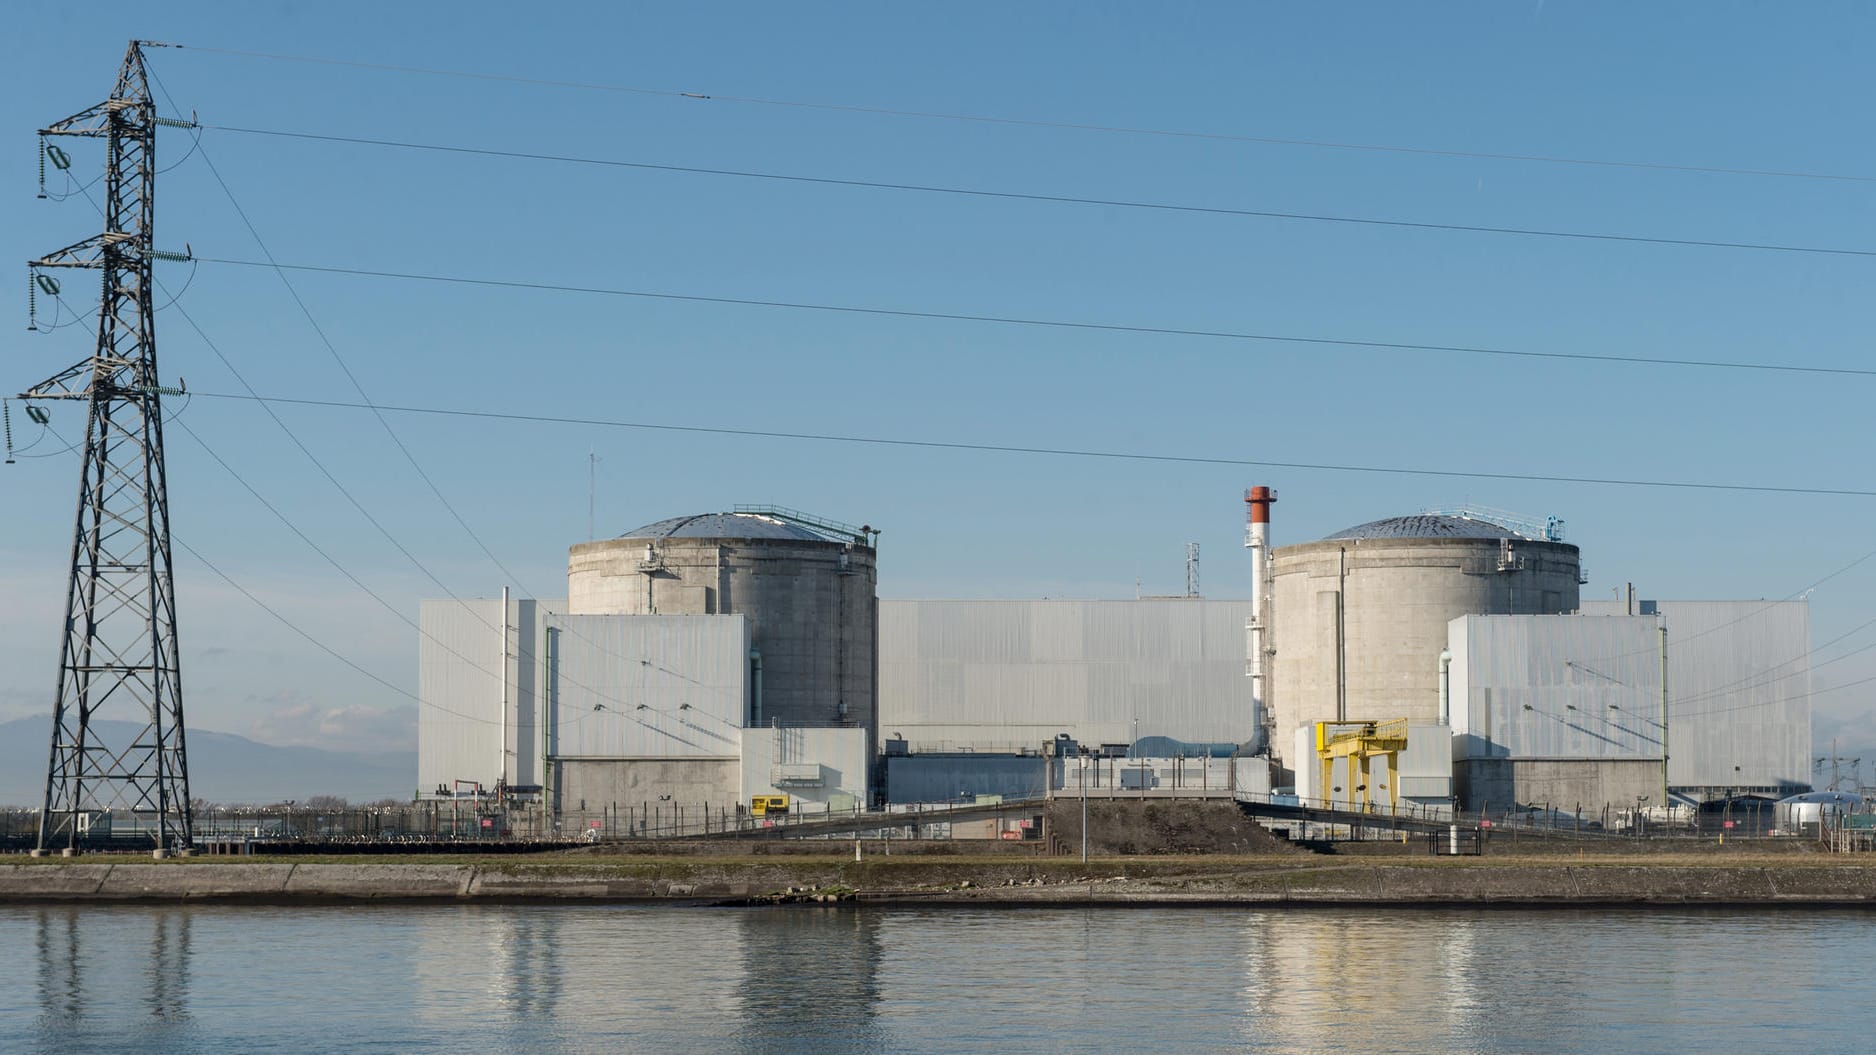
{"points": [[755, 687], [502, 771], [1446, 686], [548, 705]]}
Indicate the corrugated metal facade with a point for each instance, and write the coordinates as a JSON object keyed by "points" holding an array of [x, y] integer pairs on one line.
{"points": [[1005, 675], [1739, 683], [459, 686], [648, 686], [689, 673], [1555, 686]]}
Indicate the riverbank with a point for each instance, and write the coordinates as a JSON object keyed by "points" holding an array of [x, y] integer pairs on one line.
{"points": [[1806, 879]]}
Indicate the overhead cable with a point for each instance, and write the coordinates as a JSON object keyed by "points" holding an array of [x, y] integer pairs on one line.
{"points": [[358, 387], [315, 642], [1754, 613], [1068, 452], [1168, 133], [1066, 324], [1063, 199], [522, 650]]}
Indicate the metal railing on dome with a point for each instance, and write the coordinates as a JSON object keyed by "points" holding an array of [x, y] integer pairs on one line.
{"points": [[1549, 529], [864, 534]]}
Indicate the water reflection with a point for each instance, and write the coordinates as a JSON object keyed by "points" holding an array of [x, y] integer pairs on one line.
{"points": [[139, 977], [1309, 974], [603, 970], [167, 972], [55, 937], [777, 979], [583, 978], [527, 976], [809, 981]]}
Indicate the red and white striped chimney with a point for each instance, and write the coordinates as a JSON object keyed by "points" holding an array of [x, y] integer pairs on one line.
{"points": [[1257, 539]]}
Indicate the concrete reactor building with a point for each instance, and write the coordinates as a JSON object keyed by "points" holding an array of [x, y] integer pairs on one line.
{"points": [[698, 661], [810, 594], [1360, 617], [703, 661]]}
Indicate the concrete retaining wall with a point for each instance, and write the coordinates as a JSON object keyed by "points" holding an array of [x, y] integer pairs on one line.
{"points": [[1311, 881]]}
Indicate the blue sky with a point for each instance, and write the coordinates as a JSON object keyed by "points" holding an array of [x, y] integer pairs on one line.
{"points": [[1734, 85]]}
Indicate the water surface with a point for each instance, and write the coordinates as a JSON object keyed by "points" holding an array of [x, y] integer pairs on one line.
{"points": [[587, 978]]}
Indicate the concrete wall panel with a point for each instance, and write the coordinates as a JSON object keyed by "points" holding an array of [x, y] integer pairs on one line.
{"points": [[591, 786]]}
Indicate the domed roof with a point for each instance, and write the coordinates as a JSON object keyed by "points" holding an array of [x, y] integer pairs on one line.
{"points": [[1426, 525], [727, 525]]}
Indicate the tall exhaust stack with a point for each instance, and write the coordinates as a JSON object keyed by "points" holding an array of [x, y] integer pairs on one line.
{"points": [[1256, 629]]}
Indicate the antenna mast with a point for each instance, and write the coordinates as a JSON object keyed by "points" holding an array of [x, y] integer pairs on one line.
{"points": [[117, 729]]}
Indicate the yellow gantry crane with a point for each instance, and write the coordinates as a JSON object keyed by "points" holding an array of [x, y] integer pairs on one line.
{"points": [[1358, 742]]}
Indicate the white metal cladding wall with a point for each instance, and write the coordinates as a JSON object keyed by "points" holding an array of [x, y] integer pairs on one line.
{"points": [[649, 686], [1556, 686], [459, 689], [459, 671], [1739, 679], [1005, 674]]}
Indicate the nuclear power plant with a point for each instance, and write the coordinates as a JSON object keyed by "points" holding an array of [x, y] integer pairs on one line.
{"points": [[720, 661]]}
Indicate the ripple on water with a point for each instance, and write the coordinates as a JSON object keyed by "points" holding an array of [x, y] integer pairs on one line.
{"points": [[591, 978]]}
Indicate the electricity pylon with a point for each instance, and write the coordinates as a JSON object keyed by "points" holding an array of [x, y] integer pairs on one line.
{"points": [[117, 728]]}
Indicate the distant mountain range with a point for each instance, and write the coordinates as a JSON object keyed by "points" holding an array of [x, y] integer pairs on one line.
{"points": [[223, 767]]}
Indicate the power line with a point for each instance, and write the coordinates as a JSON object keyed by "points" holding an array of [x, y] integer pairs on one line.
{"points": [[1166, 133], [290, 624], [562, 420], [522, 649], [1025, 449], [1058, 199], [1783, 699], [1766, 677], [333, 350], [1065, 324], [336, 654], [317, 548], [374, 595], [1740, 684], [1067, 452], [346, 369], [315, 642], [1756, 612], [744, 432], [324, 471], [317, 464], [1674, 715]]}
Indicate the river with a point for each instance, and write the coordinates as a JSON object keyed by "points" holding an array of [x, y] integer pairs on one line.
{"points": [[589, 978]]}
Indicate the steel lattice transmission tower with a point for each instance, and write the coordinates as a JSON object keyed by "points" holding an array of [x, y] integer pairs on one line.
{"points": [[117, 727]]}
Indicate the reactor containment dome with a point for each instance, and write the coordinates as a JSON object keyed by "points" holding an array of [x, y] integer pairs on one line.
{"points": [[807, 586], [1359, 618]]}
